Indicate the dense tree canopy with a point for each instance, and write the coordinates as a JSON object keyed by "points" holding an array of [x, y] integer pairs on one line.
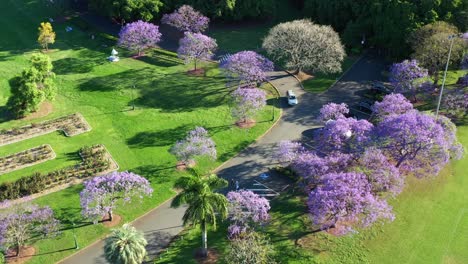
{"points": [[186, 19], [247, 102], [247, 67], [197, 143], [128, 10], [125, 245], [196, 46], [139, 35]]}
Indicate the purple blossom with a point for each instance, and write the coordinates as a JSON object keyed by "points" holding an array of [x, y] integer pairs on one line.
{"points": [[197, 143], [392, 104], [247, 67], [346, 197], [288, 151], [196, 46], [20, 223], [456, 103], [101, 194], [186, 19], [246, 209], [138, 36], [247, 102], [332, 111], [404, 74], [344, 134]]}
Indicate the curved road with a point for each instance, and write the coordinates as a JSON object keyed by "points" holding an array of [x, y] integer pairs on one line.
{"points": [[163, 223]]}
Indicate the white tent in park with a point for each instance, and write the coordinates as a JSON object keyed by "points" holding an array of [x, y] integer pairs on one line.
{"points": [[113, 57]]}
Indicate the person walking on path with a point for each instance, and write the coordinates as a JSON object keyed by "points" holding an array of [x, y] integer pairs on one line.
{"points": [[237, 185]]}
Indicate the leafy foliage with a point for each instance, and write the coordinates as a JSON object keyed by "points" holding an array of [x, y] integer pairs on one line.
{"points": [[185, 18], [46, 35], [128, 10], [196, 46], [125, 245], [138, 36], [34, 85], [101, 194], [251, 247], [303, 45]]}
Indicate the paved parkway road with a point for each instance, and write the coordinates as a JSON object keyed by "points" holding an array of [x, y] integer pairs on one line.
{"points": [[296, 123]]}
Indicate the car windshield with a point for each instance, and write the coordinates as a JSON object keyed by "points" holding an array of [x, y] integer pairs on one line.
{"points": [[292, 97]]}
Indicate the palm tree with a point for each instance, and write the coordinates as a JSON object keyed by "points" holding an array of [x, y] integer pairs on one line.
{"points": [[125, 245], [203, 203]]}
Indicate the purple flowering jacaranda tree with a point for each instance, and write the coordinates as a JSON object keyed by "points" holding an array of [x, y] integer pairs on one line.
{"points": [[197, 143], [346, 198], [247, 102], [418, 143], [245, 210], [392, 104], [247, 67], [20, 223], [138, 36], [101, 194], [404, 76], [186, 19], [195, 47], [332, 111]]}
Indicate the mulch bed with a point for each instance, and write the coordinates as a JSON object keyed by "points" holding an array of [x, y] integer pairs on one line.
{"points": [[45, 109], [246, 123], [197, 72], [115, 221], [26, 254], [212, 258]]}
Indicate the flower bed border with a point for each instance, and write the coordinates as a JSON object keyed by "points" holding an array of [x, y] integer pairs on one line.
{"points": [[50, 155], [69, 176], [62, 123]]}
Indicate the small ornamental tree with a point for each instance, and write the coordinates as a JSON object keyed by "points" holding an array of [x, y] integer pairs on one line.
{"points": [[46, 35], [418, 143], [303, 45], [251, 248], [455, 104], [392, 104], [186, 19], [346, 198], [125, 245], [34, 85], [247, 103], [197, 143], [138, 36], [404, 76], [25, 222], [101, 194], [332, 111], [195, 47], [245, 210], [247, 67]]}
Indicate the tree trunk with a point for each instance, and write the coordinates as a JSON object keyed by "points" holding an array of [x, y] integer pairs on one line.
{"points": [[110, 215], [18, 248], [436, 77], [195, 60], [46, 46], [204, 251]]}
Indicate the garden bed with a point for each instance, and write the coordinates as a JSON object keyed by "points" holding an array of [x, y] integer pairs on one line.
{"points": [[26, 158], [96, 161], [71, 125]]}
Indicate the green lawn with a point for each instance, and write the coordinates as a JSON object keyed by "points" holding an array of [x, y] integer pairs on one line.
{"points": [[321, 82], [168, 104]]}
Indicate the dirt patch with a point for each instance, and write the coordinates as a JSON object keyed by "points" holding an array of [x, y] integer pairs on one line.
{"points": [[45, 109], [26, 253], [246, 123], [212, 258], [181, 166], [115, 221], [197, 72]]}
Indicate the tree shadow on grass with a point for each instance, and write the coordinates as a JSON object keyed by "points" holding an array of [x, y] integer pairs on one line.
{"points": [[161, 58], [169, 92], [156, 174], [158, 138], [5, 115]]}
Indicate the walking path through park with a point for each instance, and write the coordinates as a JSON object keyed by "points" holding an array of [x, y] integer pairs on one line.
{"points": [[164, 223]]}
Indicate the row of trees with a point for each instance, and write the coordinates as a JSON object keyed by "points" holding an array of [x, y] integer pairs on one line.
{"points": [[358, 165], [148, 10]]}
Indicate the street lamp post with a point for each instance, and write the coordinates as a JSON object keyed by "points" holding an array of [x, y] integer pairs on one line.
{"points": [[452, 39]]}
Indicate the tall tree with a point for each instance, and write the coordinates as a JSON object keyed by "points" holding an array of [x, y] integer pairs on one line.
{"points": [[23, 222], [46, 35], [34, 85], [303, 45], [392, 104], [404, 76], [204, 205], [195, 47], [186, 19], [247, 67], [125, 245], [247, 102], [138, 36], [101, 194], [128, 10]]}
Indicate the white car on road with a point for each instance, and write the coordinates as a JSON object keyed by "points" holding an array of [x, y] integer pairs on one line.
{"points": [[292, 99]]}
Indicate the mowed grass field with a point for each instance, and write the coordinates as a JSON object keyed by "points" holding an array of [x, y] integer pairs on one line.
{"points": [[168, 104]]}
